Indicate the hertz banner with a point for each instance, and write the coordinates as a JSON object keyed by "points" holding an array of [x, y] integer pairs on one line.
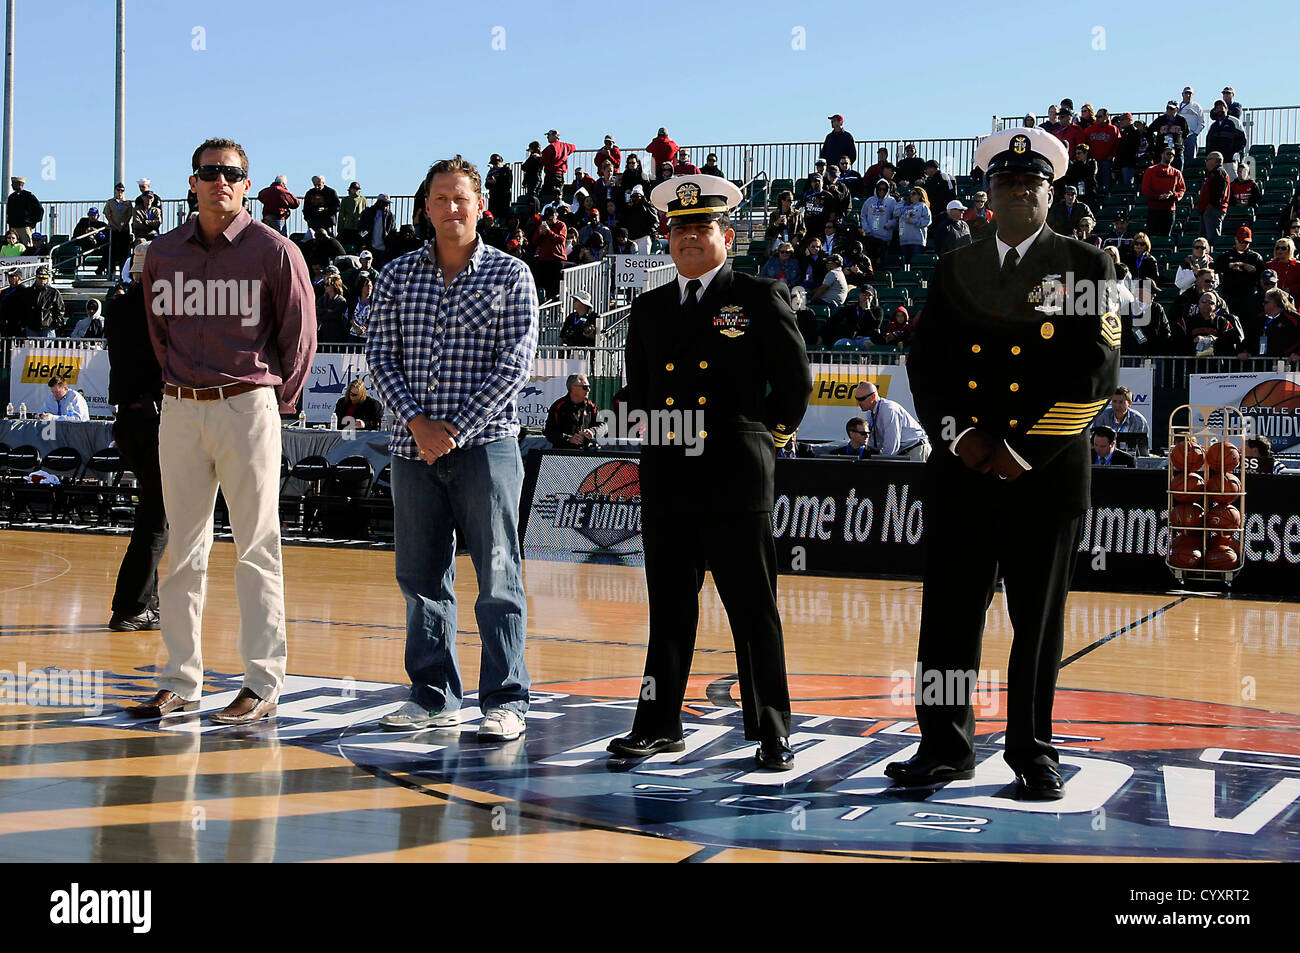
{"points": [[847, 517], [85, 369]]}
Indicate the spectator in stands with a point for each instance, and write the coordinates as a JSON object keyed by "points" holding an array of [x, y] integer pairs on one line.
{"points": [[551, 253], [813, 263], [1244, 189], [332, 311], [1230, 103], [897, 330], [1212, 328], [366, 268], [117, 212], [834, 287], [146, 190], [1162, 187], [873, 171], [377, 223], [146, 218], [839, 142], [913, 223], [781, 265], [1212, 204], [1120, 237], [555, 163], [786, 223], [40, 245], [90, 229], [622, 244], [894, 431], [320, 206], [856, 429], [889, 173], [277, 202], [1170, 132], [406, 240], [939, 186], [1281, 331], [609, 152], [593, 226], [1129, 148], [1141, 263], [819, 206], [665, 173], [63, 403], [583, 323], [1145, 326], [1239, 270], [1286, 266], [857, 323], [532, 169], [849, 177], [14, 305], [1065, 214], [46, 311], [1069, 131], [606, 189], [322, 248], [23, 210], [979, 217], [633, 175], [803, 315], [711, 166], [1194, 116], [1225, 133], [92, 325], [842, 198], [357, 410], [1082, 171], [683, 165], [833, 241], [359, 315], [1052, 122], [952, 231], [12, 247], [1102, 139], [661, 148], [1188, 301], [1083, 231], [572, 421], [1259, 457], [499, 182], [857, 265], [351, 208], [1198, 259], [911, 168], [1104, 451], [640, 219]]}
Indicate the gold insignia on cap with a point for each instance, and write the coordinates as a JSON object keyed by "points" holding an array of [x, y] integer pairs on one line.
{"points": [[1110, 329], [688, 193], [1047, 330], [1020, 145]]}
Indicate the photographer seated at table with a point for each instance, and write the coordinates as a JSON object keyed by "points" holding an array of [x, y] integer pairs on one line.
{"points": [[356, 410], [63, 403]]}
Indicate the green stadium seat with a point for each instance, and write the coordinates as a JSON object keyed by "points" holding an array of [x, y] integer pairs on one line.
{"points": [[1263, 150]]}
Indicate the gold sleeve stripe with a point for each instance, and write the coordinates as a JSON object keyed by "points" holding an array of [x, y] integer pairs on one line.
{"points": [[780, 439], [1075, 405], [1056, 430]]}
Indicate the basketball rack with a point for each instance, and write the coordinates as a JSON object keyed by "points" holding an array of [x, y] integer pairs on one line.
{"points": [[1204, 491]]}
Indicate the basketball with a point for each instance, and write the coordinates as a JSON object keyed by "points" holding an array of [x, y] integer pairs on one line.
{"points": [[1223, 457], [1186, 486], [1187, 455], [1221, 557], [1275, 393], [617, 480], [1186, 551], [1187, 516], [1224, 487], [1224, 517]]}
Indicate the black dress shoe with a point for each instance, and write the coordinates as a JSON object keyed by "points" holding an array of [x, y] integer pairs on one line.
{"points": [[142, 621], [1039, 782], [638, 746], [163, 703], [775, 755], [920, 772]]}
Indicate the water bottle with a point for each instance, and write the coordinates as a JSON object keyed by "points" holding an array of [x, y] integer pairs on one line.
{"points": [[22, 411], [334, 421], [9, 410], [302, 419]]}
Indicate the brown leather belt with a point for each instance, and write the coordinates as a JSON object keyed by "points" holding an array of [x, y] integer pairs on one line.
{"points": [[209, 393]]}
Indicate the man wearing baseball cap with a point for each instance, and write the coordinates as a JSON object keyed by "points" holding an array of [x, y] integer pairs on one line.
{"points": [[1008, 375], [1230, 100], [46, 315], [839, 142], [23, 211], [716, 362], [555, 163], [1239, 269]]}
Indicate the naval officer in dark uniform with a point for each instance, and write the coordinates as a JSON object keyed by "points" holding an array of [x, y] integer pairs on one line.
{"points": [[1016, 352], [725, 350]]}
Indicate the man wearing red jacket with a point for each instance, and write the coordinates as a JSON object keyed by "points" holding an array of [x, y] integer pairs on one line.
{"points": [[611, 152], [555, 163], [1162, 187], [1069, 132], [662, 148], [551, 253], [1102, 138], [277, 201], [1215, 194]]}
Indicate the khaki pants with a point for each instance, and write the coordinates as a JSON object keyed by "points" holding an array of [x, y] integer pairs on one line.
{"points": [[920, 452], [235, 443], [24, 234]]}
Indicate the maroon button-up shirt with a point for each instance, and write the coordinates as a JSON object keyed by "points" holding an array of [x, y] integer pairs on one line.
{"points": [[241, 310]]}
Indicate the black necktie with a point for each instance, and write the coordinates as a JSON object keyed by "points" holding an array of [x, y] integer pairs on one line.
{"points": [[692, 295], [1009, 265]]}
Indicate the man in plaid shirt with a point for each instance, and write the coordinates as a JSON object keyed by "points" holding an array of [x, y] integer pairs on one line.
{"points": [[453, 329]]}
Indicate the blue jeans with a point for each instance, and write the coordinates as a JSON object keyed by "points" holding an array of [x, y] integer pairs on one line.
{"points": [[476, 489], [1189, 149], [1126, 174], [1212, 223], [1103, 175]]}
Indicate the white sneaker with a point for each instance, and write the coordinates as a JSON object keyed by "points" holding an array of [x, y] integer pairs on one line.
{"points": [[501, 724], [412, 716]]}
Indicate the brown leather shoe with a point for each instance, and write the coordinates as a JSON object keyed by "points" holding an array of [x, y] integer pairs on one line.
{"points": [[244, 710], [164, 703]]}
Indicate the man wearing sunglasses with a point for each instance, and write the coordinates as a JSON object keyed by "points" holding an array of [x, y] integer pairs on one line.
{"points": [[571, 423], [232, 319]]}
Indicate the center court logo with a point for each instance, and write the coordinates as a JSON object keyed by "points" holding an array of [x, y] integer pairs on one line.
{"points": [[1146, 777]]}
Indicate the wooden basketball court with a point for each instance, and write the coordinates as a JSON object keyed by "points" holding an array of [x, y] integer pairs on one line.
{"points": [[1178, 717]]}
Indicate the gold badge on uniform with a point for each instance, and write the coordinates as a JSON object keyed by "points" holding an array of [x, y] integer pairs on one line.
{"points": [[688, 193], [1020, 145], [1047, 330], [731, 321], [1110, 329]]}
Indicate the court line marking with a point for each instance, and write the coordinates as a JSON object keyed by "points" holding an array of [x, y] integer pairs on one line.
{"points": [[43, 552], [1120, 631]]}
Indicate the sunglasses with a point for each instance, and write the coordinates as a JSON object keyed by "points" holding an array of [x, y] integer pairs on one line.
{"points": [[583, 386], [209, 173]]}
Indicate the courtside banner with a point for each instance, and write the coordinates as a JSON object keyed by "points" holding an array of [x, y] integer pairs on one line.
{"points": [[1270, 402], [546, 386], [330, 376], [847, 517], [84, 368]]}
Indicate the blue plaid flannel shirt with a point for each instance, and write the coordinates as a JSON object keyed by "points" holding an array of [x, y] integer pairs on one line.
{"points": [[459, 354]]}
